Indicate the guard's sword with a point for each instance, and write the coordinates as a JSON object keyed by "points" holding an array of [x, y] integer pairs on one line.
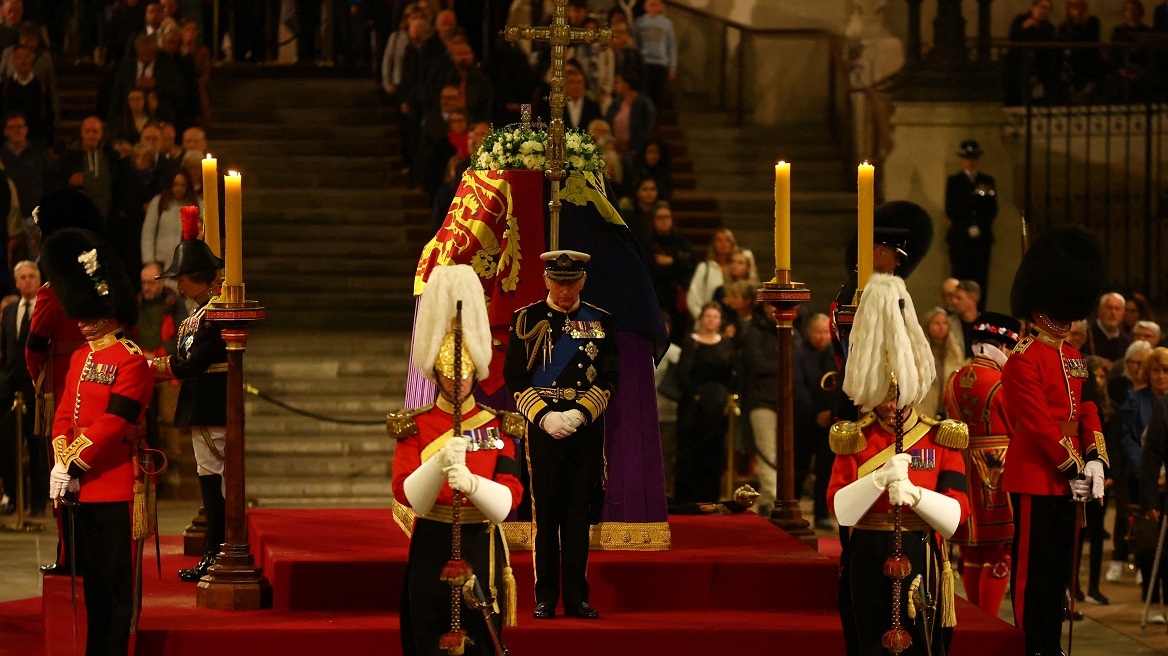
{"points": [[71, 508], [472, 592]]}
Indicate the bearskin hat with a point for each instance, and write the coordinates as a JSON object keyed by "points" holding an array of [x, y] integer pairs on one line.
{"points": [[1061, 275], [891, 219], [68, 208], [88, 277], [192, 254]]}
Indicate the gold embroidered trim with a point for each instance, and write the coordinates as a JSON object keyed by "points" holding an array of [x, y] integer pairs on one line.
{"points": [[72, 453], [400, 425], [953, 434], [1101, 447], [1073, 457]]}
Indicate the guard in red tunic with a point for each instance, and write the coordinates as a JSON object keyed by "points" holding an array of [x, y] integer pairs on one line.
{"points": [[53, 337], [95, 441], [890, 369], [1057, 454], [430, 463], [972, 395]]}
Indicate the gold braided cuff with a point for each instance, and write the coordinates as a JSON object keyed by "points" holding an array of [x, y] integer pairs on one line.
{"points": [[595, 402], [1074, 462], [1099, 446], [160, 367], [529, 403]]}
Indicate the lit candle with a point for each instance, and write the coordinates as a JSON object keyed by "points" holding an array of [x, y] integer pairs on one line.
{"points": [[783, 215], [867, 200], [233, 207], [211, 204]]}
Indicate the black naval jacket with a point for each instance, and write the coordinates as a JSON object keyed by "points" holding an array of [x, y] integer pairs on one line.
{"points": [[969, 203], [559, 361], [201, 365]]}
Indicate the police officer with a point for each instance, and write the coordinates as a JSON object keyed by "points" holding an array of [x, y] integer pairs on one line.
{"points": [[971, 203], [1057, 454], [430, 463], [973, 395], [562, 367], [95, 441], [201, 364], [868, 477]]}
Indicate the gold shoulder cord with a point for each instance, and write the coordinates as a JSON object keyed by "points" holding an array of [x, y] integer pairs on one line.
{"points": [[536, 339]]}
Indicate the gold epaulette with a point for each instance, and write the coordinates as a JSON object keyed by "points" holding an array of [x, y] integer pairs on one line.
{"points": [[950, 432], [131, 346], [513, 423], [847, 437], [1024, 344], [400, 425]]}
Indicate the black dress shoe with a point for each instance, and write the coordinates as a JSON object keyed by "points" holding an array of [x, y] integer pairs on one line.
{"points": [[544, 610], [197, 572], [54, 570], [582, 610]]}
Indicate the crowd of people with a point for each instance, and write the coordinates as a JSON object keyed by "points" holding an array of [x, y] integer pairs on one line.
{"points": [[1085, 69]]}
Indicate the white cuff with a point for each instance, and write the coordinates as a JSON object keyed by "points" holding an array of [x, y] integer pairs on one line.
{"points": [[854, 500], [423, 485], [941, 512], [494, 499]]}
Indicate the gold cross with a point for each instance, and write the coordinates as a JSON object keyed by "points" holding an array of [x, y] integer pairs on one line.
{"points": [[559, 35]]}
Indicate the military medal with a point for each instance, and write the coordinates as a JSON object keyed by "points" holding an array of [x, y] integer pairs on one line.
{"points": [[924, 459]]}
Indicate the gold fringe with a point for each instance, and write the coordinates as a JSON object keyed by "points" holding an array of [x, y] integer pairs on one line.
{"points": [[949, 609], [846, 438], [510, 592], [953, 434], [140, 527]]}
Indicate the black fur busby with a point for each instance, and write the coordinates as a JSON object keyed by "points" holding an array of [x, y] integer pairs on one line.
{"points": [[88, 277], [68, 208], [891, 219], [1062, 275]]}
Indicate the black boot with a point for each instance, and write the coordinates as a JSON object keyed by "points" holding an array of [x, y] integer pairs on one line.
{"points": [[214, 508]]}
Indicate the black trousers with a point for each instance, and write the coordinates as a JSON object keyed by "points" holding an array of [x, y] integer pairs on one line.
{"points": [[425, 610], [105, 555], [871, 592], [971, 261], [1044, 533], [566, 497]]}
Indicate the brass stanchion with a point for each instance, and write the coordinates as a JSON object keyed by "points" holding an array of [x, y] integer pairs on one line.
{"points": [[234, 582], [785, 297], [20, 525], [732, 412]]}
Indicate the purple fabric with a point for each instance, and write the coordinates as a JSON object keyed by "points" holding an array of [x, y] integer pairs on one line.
{"points": [[420, 392], [635, 490]]}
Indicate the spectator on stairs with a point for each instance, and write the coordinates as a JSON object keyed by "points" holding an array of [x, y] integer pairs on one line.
{"points": [[652, 163], [671, 264], [740, 269], [710, 274], [30, 36], [658, 45], [149, 71], [601, 133], [625, 56], [134, 117], [631, 114], [137, 185], [199, 56], [162, 228], [89, 166], [436, 148], [24, 92], [638, 210]]}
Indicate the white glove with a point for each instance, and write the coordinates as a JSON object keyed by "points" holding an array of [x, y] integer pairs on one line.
{"points": [[459, 478], [494, 499], [974, 232], [903, 493], [574, 417], [453, 453], [423, 485], [74, 486], [554, 424], [896, 469], [1080, 489], [1094, 473], [854, 500], [58, 482]]}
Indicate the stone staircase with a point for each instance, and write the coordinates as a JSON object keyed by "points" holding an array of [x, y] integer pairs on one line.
{"points": [[736, 170]]}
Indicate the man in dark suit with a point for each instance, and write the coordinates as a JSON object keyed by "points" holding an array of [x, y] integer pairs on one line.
{"points": [[971, 203], [148, 70], [14, 324], [579, 110]]}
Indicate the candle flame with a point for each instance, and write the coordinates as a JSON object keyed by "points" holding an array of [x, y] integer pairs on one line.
{"points": [[234, 174], [209, 156], [866, 163]]}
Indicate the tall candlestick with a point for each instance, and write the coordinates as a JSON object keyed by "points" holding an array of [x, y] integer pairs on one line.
{"points": [[233, 206], [211, 204], [866, 207], [783, 215]]}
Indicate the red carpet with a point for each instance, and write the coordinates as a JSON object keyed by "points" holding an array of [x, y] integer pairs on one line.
{"points": [[729, 585]]}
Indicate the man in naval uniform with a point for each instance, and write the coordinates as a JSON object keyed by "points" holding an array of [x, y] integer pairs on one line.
{"points": [[201, 364], [973, 395], [868, 478], [562, 367], [96, 437], [430, 463], [1057, 455], [971, 203]]}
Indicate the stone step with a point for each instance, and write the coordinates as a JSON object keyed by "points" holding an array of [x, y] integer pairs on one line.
{"points": [[378, 176], [315, 133], [292, 310], [273, 490], [238, 149], [381, 115], [333, 229], [334, 250], [326, 161], [308, 216], [377, 467], [270, 198], [347, 406]]}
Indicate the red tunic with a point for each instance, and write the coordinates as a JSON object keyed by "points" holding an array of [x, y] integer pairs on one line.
{"points": [[106, 391], [434, 424], [935, 467], [1052, 434], [51, 335], [972, 395]]}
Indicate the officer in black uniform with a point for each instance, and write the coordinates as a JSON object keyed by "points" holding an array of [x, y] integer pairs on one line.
{"points": [[971, 203], [562, 367], [201, 365]]}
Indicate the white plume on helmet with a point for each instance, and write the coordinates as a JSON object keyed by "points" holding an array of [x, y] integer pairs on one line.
{"points": [[887, 340], [436, 309]]}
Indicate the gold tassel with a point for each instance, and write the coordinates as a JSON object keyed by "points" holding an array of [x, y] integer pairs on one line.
{"points": [[949, 609], [911, 597], [140, 526], [510, 595]]}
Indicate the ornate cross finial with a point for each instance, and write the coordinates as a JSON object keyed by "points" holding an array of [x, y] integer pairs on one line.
{"points": [[525, 116], [559, 35]]}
